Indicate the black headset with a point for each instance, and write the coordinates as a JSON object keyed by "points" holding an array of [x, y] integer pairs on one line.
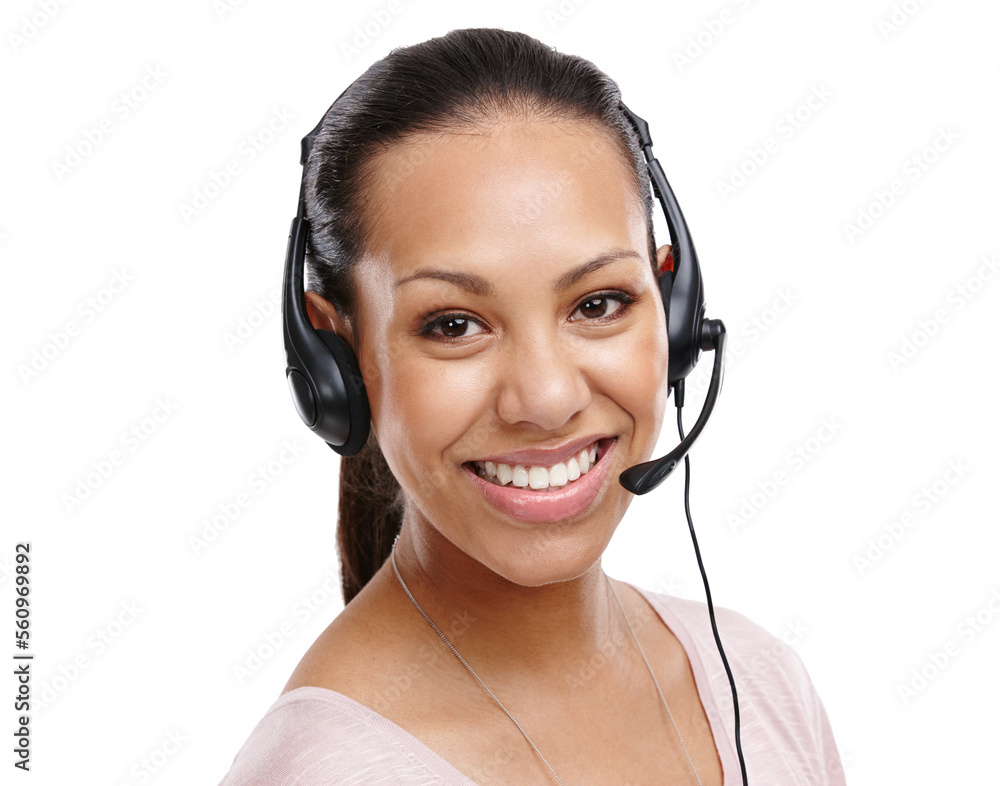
{"points": [[329, 393]]}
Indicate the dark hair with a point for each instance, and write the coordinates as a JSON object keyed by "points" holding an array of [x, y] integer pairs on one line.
{"points": [[467, 78]]}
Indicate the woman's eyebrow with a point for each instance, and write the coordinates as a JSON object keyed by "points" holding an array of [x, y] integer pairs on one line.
{"points": [[569, 278], [480, 286], [470, 281]]}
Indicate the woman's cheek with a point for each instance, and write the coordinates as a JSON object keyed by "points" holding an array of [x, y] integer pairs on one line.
{"points": [[657, 383], [424, 409], [640, 384]]}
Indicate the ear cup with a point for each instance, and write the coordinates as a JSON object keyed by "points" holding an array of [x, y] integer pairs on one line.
{"points": [[358, 412], [322, 371], [665, 281], [685, 316], [684, 298]]}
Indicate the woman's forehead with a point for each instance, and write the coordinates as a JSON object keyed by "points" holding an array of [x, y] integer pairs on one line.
{"points": [[538, 189]]}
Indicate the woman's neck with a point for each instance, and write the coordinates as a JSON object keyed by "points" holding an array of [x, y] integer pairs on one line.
{"points": [[509, 629]]}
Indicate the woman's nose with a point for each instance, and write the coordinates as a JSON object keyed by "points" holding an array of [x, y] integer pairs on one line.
{"points": [[542, 381]]}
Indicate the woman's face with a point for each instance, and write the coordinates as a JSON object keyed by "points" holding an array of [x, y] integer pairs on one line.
{"points": [[509, 314]]}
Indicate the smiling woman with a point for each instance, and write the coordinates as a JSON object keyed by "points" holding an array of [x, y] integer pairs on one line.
{"points": [[489, 335], [480, 238]]}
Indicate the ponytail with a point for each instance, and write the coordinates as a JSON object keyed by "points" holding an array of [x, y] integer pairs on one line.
{"points": [[369, 516]]}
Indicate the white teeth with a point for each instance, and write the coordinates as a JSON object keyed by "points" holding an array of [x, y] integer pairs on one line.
{"points": [[539, 478]]}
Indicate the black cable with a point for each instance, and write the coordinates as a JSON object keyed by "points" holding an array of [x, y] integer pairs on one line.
{"points": [[679, 401]]}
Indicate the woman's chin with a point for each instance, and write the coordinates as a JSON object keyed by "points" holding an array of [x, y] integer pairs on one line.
{"points": [[540, 563]]}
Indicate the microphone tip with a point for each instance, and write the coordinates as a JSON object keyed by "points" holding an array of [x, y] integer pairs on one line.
{"points": [[643, 478]]}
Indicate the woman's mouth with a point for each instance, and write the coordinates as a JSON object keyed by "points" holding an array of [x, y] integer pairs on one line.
{"points": [[538, 493], [539, 478]]}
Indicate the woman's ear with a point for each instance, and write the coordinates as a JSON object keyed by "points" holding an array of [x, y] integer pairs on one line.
{"points": [[664, 259], [324, 316]]}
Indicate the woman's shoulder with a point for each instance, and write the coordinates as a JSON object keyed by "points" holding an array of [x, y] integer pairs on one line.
{"points": [[363, 644], [755, 654], [333, 723], [749, 641], [780, 708], [311, 736], [298, 727]]}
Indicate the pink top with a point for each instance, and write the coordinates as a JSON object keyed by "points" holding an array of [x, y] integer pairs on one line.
{"points": [[317, 737]]}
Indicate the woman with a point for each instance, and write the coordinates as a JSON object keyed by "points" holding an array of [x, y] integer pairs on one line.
{"points": [[481, 237]]}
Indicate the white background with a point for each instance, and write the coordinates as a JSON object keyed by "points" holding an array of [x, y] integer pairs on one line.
{"points": [[792, 559]]}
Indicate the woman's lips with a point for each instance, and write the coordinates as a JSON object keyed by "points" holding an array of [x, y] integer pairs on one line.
{"points": [[547, 456], [552, 504]]}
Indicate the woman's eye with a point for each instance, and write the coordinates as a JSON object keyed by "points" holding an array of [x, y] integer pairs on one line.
{"points": [[601, 306], [453, 326]]}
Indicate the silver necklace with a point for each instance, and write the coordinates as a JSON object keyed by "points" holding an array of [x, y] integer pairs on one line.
{"points": [[500, 704]]}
